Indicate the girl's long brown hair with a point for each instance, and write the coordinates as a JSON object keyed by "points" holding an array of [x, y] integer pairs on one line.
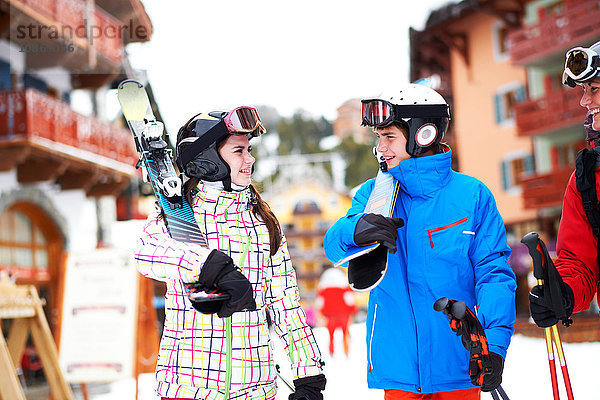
{"points": [[260, 209]]}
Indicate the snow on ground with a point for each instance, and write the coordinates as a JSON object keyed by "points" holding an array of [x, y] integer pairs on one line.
{"points": [[526, 374]]}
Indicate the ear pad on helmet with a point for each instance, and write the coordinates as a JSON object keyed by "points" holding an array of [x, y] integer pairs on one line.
{"points": [[426, 135], [201, 168], [208, 166]]}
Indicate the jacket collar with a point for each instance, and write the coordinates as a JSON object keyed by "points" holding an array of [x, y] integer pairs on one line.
{"points": [[218, 201], [423, 176]]}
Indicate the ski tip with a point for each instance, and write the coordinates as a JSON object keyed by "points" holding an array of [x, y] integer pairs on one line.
{"points": [[127, 81]]}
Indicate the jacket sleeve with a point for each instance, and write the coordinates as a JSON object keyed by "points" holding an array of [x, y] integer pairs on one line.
{"points": [[576, 248], [289, 320], [495, 281], [340, 236], [160, 257]]}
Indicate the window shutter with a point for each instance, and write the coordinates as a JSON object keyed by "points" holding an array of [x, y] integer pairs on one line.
{"points": [[498, 108], [5, 81], [529, 164], [520, 94], [506, 181]]}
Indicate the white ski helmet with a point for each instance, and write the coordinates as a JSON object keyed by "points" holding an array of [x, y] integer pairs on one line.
{"points": [[582, 64], [421, 110]]}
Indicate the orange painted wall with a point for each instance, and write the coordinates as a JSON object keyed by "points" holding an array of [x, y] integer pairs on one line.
{"points": [[481, 142]]}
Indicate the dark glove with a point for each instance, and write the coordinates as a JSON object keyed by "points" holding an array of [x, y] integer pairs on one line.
{"points": [[373, 228], [493, 378], [309, 388], [220, 272], [542, 312], [202, 305]]}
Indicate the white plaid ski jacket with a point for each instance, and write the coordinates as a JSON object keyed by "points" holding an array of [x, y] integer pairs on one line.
{"points": [[206, 357]]}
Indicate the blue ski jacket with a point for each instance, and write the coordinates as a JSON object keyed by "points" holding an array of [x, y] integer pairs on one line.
{"points": [[453, 244]]}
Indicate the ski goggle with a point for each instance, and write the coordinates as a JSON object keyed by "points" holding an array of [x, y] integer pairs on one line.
{"points": [[244, 120], [381, 113], [581, 65]]}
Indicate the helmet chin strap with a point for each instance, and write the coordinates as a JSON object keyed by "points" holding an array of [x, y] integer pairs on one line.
{"points": [[227, 183]]}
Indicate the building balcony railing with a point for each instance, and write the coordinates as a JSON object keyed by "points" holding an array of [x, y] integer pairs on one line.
{"points": [[44, 139], [558, 109], [545, 190], [69, 19], [555, 33]]}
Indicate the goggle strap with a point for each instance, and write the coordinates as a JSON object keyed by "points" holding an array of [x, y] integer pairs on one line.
{"points": [[213, 135], [421, 111]]}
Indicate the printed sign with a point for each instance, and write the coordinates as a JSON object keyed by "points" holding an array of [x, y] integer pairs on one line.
{"points": [[97, 340]]}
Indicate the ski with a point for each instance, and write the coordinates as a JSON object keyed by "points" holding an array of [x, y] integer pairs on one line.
{"points": [[157, 161], [367, 265]]}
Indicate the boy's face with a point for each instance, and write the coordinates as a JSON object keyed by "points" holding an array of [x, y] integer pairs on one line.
{"points": [[391, 144], [590, 99]]}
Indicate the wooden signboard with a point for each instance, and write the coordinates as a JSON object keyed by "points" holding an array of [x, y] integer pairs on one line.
{"points": [[23, 305]]}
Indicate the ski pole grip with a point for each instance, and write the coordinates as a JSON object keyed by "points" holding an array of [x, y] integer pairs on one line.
{"points": [[531, 240]]}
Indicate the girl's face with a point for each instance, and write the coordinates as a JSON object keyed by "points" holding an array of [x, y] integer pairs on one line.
{"points": [[235, 150], [591, 100]]}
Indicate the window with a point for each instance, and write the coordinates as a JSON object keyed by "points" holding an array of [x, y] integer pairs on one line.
{"points": [[309, 267], [5, 78], [307, 243], [505, 101], [564, 155], [514, 168], [500, 42], [306, 225], [23, 247]]}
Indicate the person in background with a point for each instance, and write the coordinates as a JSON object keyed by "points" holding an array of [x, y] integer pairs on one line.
{"points": [[577, 242], [221, 349], [336, 303], [453, 244]]}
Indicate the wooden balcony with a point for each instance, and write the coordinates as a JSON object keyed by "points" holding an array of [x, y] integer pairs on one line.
{"points": [[576, 25], [89, 43], [558, 109], [545, 190], [45, 140]]}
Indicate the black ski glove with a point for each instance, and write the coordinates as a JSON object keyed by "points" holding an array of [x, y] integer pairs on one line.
{"points": [[373, 228], [541, 312], [220, 272], [492, 379], [309, 388]]}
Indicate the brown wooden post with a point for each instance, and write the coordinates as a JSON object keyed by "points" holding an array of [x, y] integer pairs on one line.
{"points": [[23, 305], [147, 338]]}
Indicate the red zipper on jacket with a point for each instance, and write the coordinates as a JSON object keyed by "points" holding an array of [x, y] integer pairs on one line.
{"points": [[430, 231]]}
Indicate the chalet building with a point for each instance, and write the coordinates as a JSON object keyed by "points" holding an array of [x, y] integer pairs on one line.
{"points": [[515, 126], [63, 158], [306, 206], [348, 120]]}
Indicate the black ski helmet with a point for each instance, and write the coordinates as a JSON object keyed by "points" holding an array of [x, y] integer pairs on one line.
{"points": [[198, 141], [421, 110]]}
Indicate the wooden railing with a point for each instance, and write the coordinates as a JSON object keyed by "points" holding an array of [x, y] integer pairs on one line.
{"points": [[69, 18], [559, 108], [545, 190], [553, 34], [29, 113]]}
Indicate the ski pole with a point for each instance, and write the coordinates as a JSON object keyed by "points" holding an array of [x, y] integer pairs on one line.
{"points": [[500, 391], [563, 362], [289, 385], [542, 267], [461, 319]]}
